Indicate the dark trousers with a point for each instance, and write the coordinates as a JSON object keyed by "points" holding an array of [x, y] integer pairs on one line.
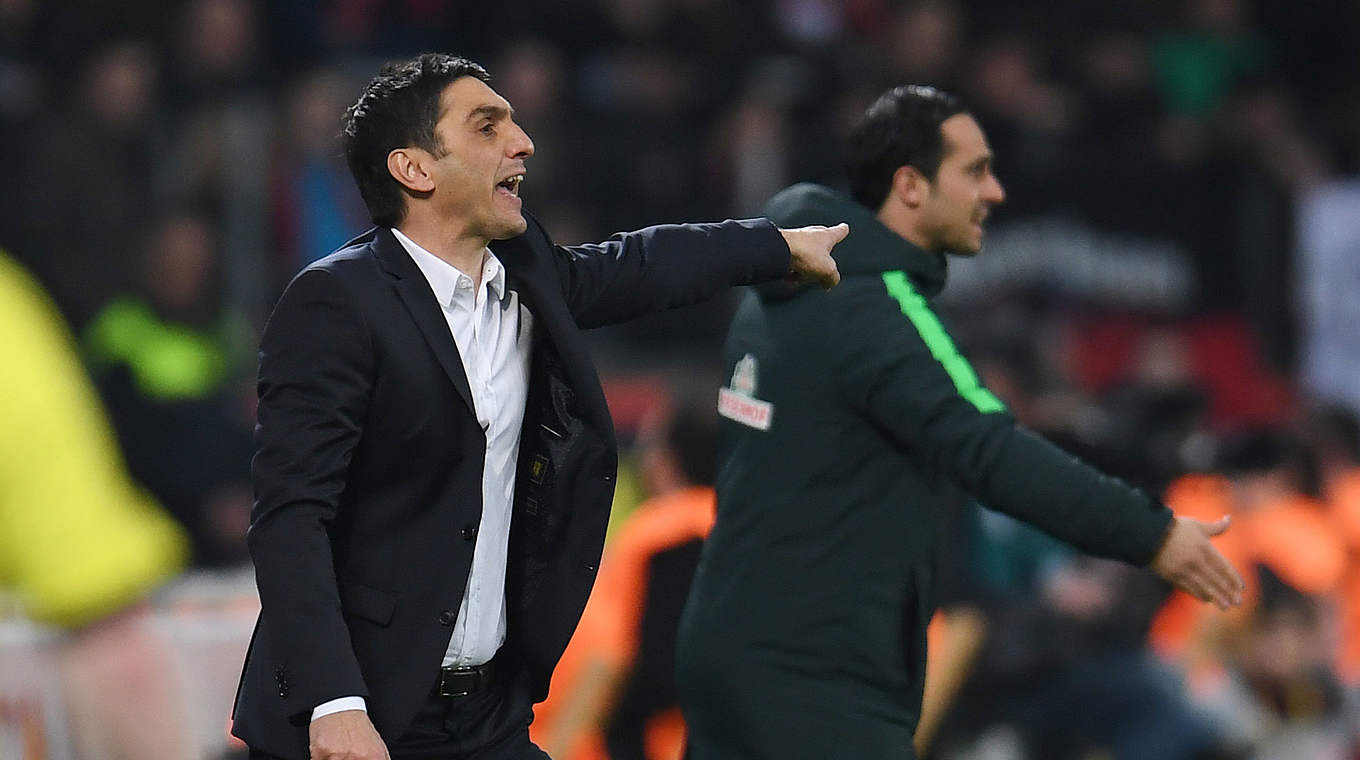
{"points": [[492, 724]]}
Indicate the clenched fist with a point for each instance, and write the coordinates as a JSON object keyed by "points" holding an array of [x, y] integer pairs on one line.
{"points": [[346, 735]]}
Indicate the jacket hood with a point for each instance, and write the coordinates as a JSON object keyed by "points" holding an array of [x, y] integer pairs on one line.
{"points": [[870, 248]]}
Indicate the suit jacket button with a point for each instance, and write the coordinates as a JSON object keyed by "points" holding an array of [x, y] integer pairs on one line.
{"points": [[469, 532], [447, 617]]}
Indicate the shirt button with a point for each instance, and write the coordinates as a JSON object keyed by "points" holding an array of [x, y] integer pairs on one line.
{"points": [[469, 532], [446, 618]]}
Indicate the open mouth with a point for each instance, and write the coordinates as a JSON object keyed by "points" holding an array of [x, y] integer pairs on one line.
{"points": [[510, 185]]}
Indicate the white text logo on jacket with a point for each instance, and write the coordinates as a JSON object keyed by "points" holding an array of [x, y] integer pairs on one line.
{"points": [[737, 401]]}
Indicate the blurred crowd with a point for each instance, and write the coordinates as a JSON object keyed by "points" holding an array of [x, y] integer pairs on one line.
{"points": [[1169, 290]]}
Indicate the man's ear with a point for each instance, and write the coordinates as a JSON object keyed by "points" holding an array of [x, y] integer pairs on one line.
{"points": [[407, 166], [910, 186]]}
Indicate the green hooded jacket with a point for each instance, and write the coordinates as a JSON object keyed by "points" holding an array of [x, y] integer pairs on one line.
{"points": [[851, 425]]}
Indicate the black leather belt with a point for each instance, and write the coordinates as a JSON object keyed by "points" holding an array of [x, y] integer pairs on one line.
{"points": [[460, 682]]}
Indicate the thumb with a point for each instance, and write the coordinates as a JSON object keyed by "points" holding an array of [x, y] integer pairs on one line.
{"points": [[1217, 527], [839, 232]]}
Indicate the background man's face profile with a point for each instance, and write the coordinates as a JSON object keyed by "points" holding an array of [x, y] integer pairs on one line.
{"points": [[963, 191]]}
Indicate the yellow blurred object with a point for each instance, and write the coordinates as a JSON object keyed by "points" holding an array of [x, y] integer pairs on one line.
{"points": [[78, 539]]}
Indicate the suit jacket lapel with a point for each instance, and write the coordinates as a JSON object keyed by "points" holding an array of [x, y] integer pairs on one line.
{"points": [[419, 300]]}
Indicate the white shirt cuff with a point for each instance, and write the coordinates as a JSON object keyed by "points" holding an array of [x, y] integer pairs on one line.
{"points": [[339, 705]]}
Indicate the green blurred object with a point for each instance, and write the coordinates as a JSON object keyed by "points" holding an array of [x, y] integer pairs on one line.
{"points": [[169, 361], [1195, 71]]}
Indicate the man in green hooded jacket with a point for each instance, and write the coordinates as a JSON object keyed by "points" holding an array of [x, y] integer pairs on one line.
{"points": [[851, 425]]}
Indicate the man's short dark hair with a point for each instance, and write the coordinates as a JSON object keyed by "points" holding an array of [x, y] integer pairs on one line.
{"points": [[398, 108], [901, 128]]}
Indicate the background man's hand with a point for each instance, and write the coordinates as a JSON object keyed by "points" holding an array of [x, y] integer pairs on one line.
{"points": [[810, 252], [346, 735], [1189, 562]]}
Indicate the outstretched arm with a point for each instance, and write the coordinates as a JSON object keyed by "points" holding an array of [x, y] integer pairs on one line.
{"points": [[661, 267], [912, 382]]}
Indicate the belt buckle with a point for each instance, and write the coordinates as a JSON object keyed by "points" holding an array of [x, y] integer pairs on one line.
{"points": [[465, 685], [461, 682]]}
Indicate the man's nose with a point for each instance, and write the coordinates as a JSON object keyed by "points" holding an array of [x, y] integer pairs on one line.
{"points": [[996, 194], [521, 146]]}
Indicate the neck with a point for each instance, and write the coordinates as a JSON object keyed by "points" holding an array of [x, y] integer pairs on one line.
{"points": [[901, 220], [458, 248]]}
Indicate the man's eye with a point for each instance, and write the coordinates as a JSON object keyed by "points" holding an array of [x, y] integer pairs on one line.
{"points": [[488, 129]]}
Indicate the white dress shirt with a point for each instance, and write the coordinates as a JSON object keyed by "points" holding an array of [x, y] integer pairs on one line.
{"points": [[492, 330]]}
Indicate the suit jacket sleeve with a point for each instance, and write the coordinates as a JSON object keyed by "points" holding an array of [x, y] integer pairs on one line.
{"points": [[666, 266], [314, 384], [901, 370]]}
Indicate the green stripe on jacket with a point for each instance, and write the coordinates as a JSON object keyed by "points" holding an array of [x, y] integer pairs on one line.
{"points": [[941, 345]]}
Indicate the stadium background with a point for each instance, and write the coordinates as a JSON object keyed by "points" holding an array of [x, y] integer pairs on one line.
{"points": [[1171, 288]]}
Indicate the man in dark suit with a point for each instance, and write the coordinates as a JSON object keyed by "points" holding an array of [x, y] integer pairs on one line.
{"points": [[435, 460]]}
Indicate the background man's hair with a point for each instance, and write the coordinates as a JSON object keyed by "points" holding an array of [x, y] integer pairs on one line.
{"points": [[901, 128], [398, 108]]}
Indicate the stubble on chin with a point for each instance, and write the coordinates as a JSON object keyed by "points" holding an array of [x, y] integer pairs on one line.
{"points": [[515, 228], [505, 228]]}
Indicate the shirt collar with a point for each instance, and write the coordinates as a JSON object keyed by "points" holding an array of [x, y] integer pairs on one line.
{"points": [[443, 276], [493, 274]]}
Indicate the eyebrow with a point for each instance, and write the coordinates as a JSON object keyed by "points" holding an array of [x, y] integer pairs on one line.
{"points": [[490, 111]]}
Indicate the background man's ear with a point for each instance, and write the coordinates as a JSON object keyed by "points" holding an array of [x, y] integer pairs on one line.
{"points": [[910, 185]]}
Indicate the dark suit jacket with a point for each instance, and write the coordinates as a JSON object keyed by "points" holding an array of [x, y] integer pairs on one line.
{"points": [[368, 469]]}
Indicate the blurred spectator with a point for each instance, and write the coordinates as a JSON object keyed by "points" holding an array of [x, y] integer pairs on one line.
{"points": [[315, 207], [86, 180], [217, 157], [754, 146], [171, 361], [80, 544], [1071, 645], [613, 694], [1198, 64], [642, 102], [1281, 699], [1332, 434], [1276, 525], [533, 74], [20, 95], [1028, 119], [810, 22], [1118, 182], [921, 43], [1327, 232], [303, 32]]}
